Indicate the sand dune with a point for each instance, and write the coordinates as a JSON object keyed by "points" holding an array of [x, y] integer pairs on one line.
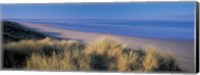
{"points": [[183, 51]]}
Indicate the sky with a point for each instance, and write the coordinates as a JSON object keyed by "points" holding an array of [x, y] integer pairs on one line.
{"points": [[148, 10]]}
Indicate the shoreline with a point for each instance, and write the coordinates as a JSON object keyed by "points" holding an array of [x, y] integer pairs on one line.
{"points": [[152, 38], [182, 51]]}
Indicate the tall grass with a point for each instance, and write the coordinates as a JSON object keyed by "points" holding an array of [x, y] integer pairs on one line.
{"points": [[104, 54], [56, 62], [151, 59]]}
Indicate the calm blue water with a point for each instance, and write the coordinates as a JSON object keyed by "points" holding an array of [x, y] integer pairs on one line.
{"points": [[177, 30]]}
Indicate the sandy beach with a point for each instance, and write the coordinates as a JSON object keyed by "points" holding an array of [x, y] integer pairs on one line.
{"points": [[183, 51]]}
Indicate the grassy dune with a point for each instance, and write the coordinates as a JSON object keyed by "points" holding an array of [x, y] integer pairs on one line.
{"points": [[13, 31], [103, 54]]}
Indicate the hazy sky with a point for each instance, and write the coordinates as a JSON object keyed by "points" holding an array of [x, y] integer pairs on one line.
{"points": [[151, 10]]}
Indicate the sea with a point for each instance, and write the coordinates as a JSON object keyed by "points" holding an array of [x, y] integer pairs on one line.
{"points": [[157, 29]]}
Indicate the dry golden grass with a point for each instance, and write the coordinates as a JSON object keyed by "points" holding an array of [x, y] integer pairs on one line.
{"points": [[105, 45], [38, 62], [104, 54], [126, 61], [151, 60]]}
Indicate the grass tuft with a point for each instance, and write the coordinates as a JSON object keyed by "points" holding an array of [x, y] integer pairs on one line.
{"points": [[151, 60]]}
